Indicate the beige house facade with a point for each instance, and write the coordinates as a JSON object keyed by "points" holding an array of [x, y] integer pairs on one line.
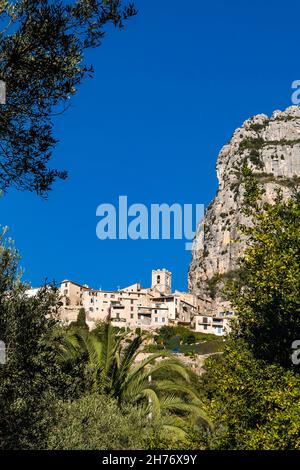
{"points": [[138, 307], [133, 306], [217, 324]]}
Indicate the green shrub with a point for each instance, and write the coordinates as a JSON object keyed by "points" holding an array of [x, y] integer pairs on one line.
{"points": [[81, 320], [96, 422], [256, 127], [254, 405], [153, 348]]}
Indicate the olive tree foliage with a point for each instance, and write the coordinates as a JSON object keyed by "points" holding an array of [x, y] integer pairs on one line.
{"points": [[253, 390], [96, 422], [255, 405], [31, 377], [42, 47], [265, 296]]}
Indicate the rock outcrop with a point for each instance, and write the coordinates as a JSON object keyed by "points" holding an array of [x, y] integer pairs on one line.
{"points": [[271, 147]]}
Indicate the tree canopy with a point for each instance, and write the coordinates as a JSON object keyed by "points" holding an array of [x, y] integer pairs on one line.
{"points": [[96, 422], [253, 391], [254, 405], [266, 296], [42, 46]]}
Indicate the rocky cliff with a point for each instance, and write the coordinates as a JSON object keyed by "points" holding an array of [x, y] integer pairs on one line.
{"points": [[271, 147]]}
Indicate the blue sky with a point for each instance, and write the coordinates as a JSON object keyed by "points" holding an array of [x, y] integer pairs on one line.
{"points": [[168, 92]]}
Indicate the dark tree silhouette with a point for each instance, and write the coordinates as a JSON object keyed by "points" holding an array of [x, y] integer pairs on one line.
{"points": [[42, 45]]}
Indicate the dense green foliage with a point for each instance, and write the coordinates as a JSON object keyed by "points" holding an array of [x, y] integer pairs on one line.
{"points": [[267, 295], [95, 422], [157, 384], [181, 339], [186, 335], [31, 377], [253, 390], [80, 321], [254, 405]]}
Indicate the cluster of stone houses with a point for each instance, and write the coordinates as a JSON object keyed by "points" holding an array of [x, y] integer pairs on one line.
{"points": [[145, 308]]}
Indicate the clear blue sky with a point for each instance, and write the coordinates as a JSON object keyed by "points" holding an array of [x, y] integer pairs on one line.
{"points": [[168, 93]]}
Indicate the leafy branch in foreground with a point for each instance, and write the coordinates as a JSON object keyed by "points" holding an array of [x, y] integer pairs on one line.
{"points": [[42, 45]]}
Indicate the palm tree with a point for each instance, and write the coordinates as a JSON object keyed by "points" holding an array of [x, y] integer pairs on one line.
{"points": [[159, 385]]}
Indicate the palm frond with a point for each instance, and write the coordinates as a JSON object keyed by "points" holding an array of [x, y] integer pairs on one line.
{"points": [[159, 386], [177, 387]]}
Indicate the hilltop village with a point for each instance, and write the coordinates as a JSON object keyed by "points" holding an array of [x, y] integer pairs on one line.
{"points": [[139, 307]]}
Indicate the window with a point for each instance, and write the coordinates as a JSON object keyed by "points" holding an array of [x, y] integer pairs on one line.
{"points": [[205, 320], [66, 284], [65, 291], [131, 301], [156, 319], [105, 295], [131, 315], [158, 279], [163, 319], [131, 308], [205, 327]]}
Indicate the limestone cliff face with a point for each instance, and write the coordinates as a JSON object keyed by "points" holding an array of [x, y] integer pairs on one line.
{"points": [[272, 149]]}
